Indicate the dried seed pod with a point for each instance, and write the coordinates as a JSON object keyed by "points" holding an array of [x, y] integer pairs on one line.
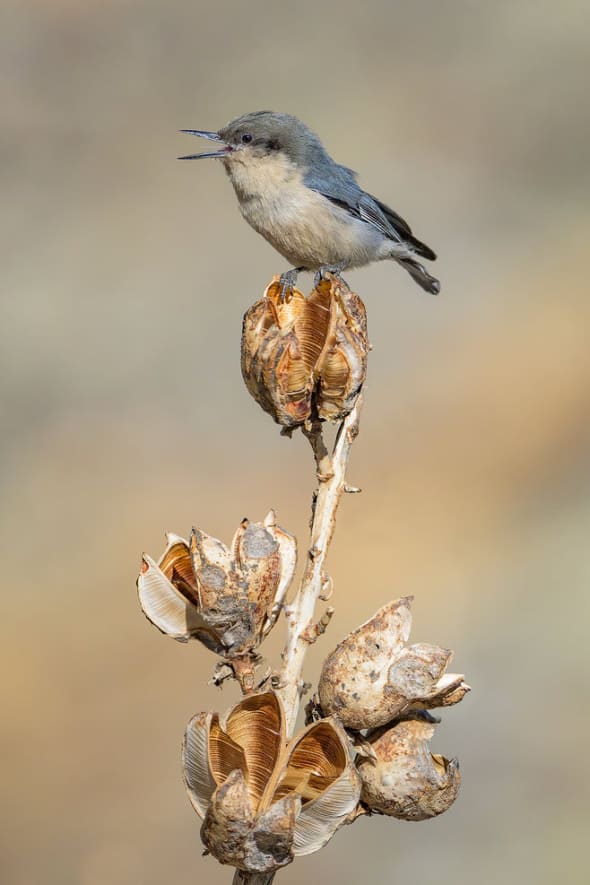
{"points": [[371, 676], [235, 835], [228, 598], [305, 355], [265, 801], [405, 780]]}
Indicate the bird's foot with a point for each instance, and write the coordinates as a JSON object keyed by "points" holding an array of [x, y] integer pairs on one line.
{"points": [[334, 269], [287, 281]]}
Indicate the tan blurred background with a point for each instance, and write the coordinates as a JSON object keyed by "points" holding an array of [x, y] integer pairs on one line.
{"points": [[124, 278]]}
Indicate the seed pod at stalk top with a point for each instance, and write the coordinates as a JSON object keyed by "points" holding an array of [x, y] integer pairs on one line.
{"points": [[306, 357], [404, 779], [372, 677]]}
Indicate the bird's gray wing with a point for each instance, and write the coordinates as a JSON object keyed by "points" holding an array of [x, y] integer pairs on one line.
{"points": [[399, 224], [338, 184], [392, 226], [403, 229]]}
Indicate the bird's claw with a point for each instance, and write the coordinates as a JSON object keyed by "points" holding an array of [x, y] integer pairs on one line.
{"points": [[334, 269], [287, 281]]}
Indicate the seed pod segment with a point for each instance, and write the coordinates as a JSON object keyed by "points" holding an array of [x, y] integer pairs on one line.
{"points": [[405, 780], [226, 597], [372, 677]]}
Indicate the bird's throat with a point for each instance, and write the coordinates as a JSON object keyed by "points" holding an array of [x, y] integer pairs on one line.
{"points": [[260, 177]]}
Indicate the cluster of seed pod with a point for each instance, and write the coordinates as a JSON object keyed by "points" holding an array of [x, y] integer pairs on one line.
{"points": [[265, 799], [376, 685], [304, 357]]}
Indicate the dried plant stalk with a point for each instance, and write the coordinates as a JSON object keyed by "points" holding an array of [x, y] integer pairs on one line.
{"points": [[242, 878], [331, 474], [264, 796]]}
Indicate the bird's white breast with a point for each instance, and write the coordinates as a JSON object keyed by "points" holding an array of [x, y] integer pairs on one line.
{"points": [[301, 224]]}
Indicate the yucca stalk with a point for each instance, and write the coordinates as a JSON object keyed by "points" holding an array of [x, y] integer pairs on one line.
{"points": [[265, 793]]}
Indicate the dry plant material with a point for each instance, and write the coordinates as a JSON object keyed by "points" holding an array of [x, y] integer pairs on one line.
{"points": [[405, 780], [372, 677], [226, 597], [305, 356], [264, 796], [263, 800]]}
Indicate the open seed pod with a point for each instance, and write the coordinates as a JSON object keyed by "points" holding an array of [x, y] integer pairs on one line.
{"points": [[302, 355], [228, 598], [404, 779], [372, 676], [263, 800]]}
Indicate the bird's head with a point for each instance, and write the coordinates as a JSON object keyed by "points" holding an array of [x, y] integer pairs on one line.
{"points": [[259, 138]]}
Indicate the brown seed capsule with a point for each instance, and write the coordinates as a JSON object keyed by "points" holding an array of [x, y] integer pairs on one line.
{"points": [[405, 780], [302, 356], [372, 676], [228, 598], [264, 800]]}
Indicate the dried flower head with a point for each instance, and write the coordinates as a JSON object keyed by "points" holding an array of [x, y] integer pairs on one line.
{"points": [[404, 779], [372, 677], [301, 356], [265, 801], [228, 598]]}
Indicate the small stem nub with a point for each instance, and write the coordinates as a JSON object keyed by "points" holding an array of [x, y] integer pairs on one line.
{"points": [[310, 634]]}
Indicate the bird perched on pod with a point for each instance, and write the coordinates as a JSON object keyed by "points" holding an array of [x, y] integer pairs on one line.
{"points": [[311, 209], [372, 677], [402, 778], [226, 597], [264, 800], [304, 357]]}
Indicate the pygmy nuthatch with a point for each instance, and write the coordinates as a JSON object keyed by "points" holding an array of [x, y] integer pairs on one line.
{"points": [[308, 207]]}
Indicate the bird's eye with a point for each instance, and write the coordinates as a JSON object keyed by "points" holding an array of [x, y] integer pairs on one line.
{"points": [[246, 138]]}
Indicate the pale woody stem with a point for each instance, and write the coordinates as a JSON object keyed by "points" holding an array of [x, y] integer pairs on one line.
{"points": [[241, 878], [331, 472]]}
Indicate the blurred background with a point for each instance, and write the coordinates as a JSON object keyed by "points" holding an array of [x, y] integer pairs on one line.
{"points": [[124, 278]]}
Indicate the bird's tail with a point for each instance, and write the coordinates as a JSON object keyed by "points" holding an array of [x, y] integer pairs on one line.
{"points": [[420, 248], [419, 273]]}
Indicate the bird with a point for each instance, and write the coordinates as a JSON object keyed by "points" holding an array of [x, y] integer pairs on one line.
{"points": [[308, 207]]}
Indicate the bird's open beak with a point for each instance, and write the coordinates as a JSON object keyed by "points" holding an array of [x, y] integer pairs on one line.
{"points": [[212, 136]]}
